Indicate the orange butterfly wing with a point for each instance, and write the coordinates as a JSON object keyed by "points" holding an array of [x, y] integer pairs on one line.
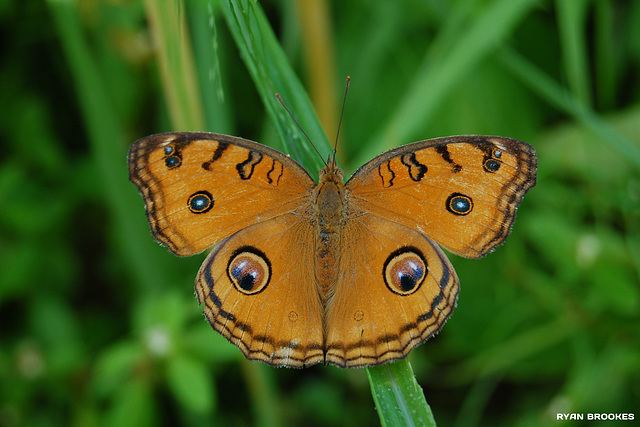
{"points": [[461, 191], [204, 188], [272, 310], [396, 288], [199, 188]]}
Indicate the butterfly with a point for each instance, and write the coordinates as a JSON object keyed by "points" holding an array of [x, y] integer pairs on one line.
{"points": [[349, 274]]}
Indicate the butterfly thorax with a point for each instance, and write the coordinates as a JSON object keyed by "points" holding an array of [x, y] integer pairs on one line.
{"points": [[329, 203]]}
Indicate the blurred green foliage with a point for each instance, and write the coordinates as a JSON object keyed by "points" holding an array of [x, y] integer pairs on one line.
{"points": [[99, 324]]}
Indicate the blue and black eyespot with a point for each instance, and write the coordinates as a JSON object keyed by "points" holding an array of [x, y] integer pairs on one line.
{"points": [[459, 204], [200, 202], [492, 163], [172, 162], [172, 158]]}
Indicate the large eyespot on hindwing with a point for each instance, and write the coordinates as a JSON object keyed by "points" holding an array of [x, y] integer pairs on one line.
{"points": [[200, 202], [459, 204], [249, 270], [404, 270]]}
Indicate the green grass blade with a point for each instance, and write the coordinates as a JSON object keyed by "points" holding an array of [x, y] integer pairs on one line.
{"points": [[108, 142], [315, 26], [264, 393], [433, 81], [272, 73], [572, 25], [209, 59], [606, 62], [554, 93], [175, 60], [398, 397]]}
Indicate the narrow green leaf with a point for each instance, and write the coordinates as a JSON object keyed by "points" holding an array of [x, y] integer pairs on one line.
{"points": [[572, 16], [175, 59], [272, 74], [108, 141], [434, 81], [398, 396], [557, 95], [606, 58], [209, 58], [263, 393]]}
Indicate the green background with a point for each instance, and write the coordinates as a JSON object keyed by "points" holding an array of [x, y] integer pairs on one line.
{"points": [[99, 324]]}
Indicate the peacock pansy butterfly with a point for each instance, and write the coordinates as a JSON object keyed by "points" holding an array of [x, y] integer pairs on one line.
{"points": [[344, 274]]}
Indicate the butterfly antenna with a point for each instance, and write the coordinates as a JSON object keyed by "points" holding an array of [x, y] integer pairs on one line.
{"points": [[300, 127], [344, 101]]}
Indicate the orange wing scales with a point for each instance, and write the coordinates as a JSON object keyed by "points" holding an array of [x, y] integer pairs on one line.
{"points": [[492, 174], [281, 324], [415, 169], [382, 325], [386, 174], [217, 153], [446, 156], [398, 345], [246, 168], [275, 173], [170, 169], [254, 346]]}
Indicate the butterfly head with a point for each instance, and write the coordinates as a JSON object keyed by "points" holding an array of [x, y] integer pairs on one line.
{"points": [[331, 172]]}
